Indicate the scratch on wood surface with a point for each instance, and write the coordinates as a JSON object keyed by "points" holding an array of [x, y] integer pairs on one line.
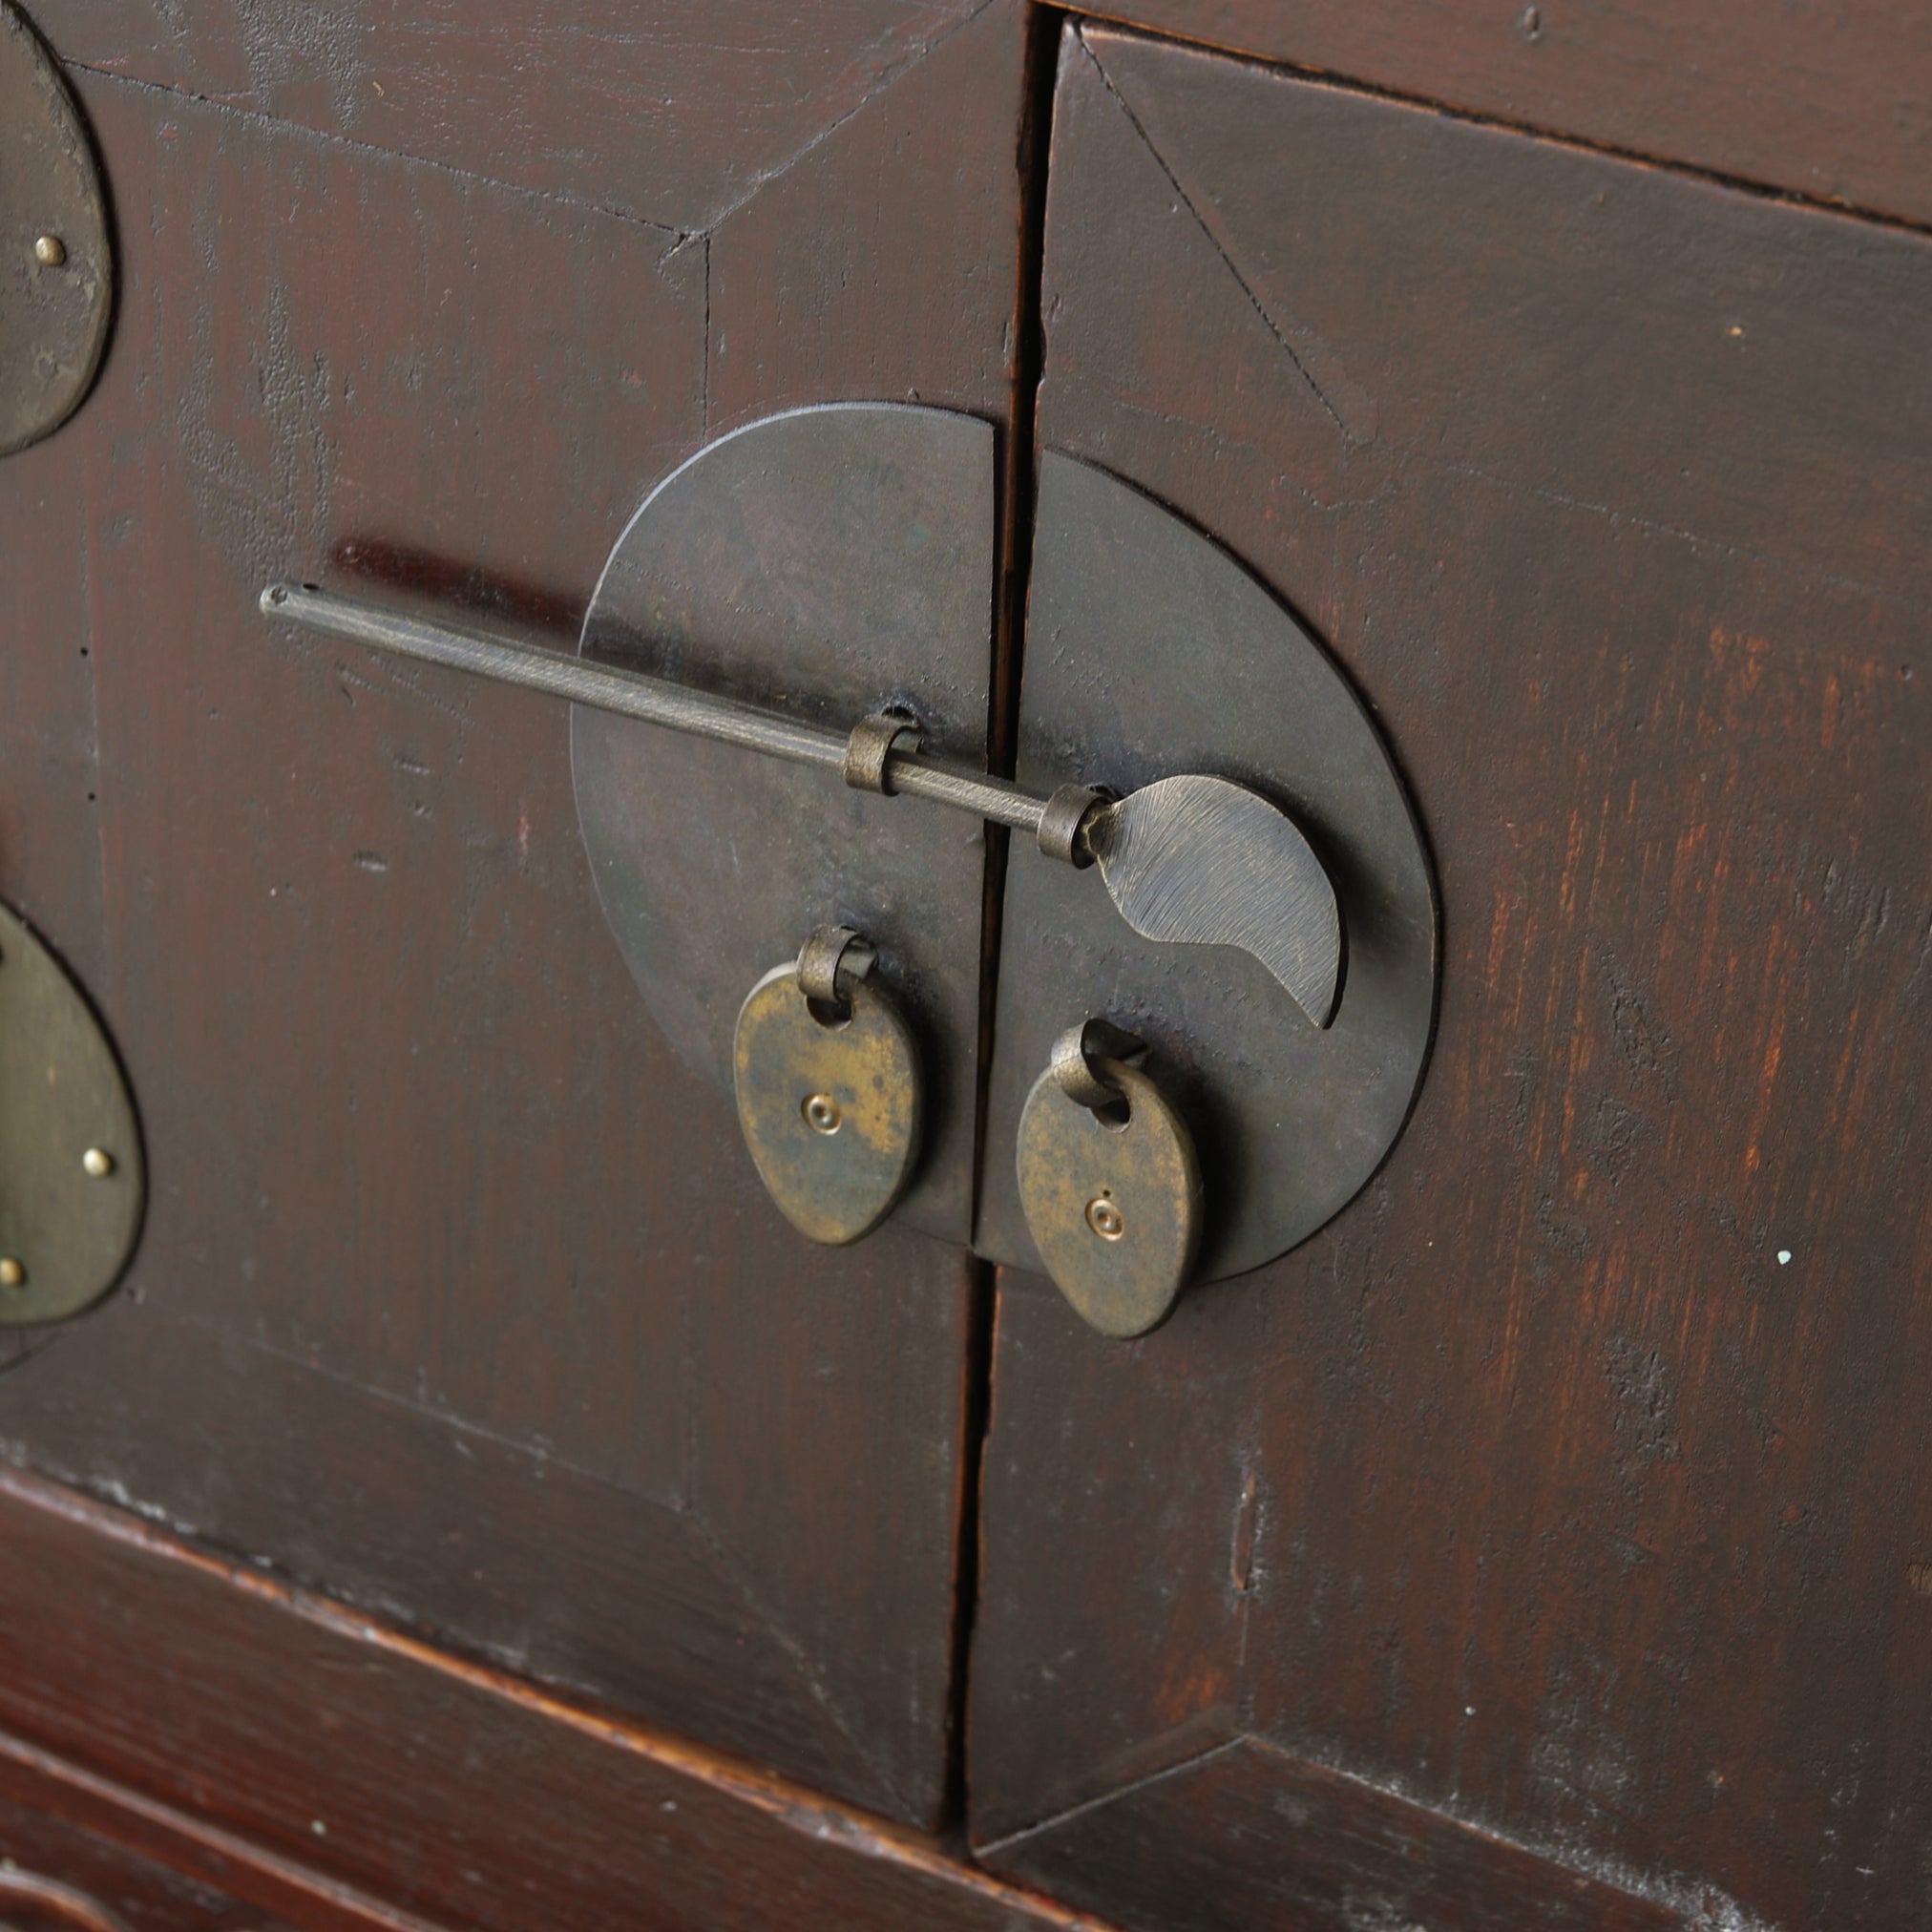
{"points": [[1351, 408], [886, 79], [399, 157], [1241, 1554], [811, 1671]]}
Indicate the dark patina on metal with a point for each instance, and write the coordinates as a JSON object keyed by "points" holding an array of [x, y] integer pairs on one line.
{"points": [[1193, 859], [72, 1181], [828, 1095], [56, 265], [1150, 654], [1230, 798], [1109, 1182], [821, 566]]}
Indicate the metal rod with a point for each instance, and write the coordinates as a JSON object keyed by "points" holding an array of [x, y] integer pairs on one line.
{"points": [[632, 694]]}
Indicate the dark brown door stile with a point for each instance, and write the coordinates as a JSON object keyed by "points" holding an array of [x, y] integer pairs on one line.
{"points": [[1535, 1488]]}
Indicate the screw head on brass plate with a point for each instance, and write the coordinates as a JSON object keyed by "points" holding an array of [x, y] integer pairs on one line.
{"points": [[1113, 1205], [72, 1178], [56, 267], [830, 1107]]}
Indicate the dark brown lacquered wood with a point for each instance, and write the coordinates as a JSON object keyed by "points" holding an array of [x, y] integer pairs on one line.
{"points": [[1573, 1482], [344, 1776], [1182, 1846], [675, 114], [46, 1859], [456, 1294], [1816, 99]]}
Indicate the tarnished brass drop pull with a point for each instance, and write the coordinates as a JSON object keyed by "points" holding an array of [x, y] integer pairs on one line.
{"points": [[827, 1083], [1109, 1182]]}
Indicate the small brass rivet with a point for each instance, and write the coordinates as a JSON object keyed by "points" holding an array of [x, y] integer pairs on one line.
{"points": [[821, 1113], [1104, 1218], [12, 1273], [50, 251], [98, 1163]]}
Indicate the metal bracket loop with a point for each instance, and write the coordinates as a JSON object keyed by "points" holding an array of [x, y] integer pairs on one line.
{"points": [[1074, 1052], [1061, 821], [870, 746], [833, 959]]}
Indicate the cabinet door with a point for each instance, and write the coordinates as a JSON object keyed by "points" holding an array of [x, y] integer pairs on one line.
{"points": [[458, 1297], [1547, 1541]]}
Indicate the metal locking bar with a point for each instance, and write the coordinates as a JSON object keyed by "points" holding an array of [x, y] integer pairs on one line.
{"points": [[1191, 859], [654, 700]]}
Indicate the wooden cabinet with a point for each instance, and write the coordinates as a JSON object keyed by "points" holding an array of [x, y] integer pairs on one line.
{"points": [[1543, 1486], [477, 1506]]}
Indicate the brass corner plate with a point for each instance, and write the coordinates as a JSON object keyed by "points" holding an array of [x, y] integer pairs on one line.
{"points": [[73, 1180], [56, 259]]}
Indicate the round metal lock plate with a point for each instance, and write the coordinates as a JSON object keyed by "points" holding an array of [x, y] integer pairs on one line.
{"points": [[72, 1178], [829, 1106], [1114, 1203], [1150, 652], [823, 564]]}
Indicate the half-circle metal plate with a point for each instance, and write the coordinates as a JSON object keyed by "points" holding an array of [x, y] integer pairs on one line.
{"points": [[72, 1181], [824, 564], [56, 265], [1152, 652]]}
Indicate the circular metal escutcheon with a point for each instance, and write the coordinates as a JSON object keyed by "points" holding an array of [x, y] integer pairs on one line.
{"points": [[823, 564], [829, 1106], [1152, 654], [1113, 1204]]}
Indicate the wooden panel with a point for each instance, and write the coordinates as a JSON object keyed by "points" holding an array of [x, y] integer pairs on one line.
{"points": [[145, 1897], [457, 1292], [1817, 99], [50, 826], [1573, 1482], [675, 114], [1181, 1847], [342, 1775]]}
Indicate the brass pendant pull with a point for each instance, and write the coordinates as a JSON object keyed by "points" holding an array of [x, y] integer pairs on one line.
{"points": [[829, 1091], [1109, 1182]]}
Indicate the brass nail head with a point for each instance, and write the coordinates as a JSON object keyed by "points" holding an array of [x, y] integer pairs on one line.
{"points": [[12, 1273], [1104, 1218], [50, 251], [822, 1114], [98, 1163]]}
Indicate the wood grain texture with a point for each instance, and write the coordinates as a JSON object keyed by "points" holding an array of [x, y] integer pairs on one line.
{"points": [[50, 826], [1574, 1482], [456, 1293], [1182, 1845], [1819, 98], [675, 114], [170, 1701], [144, 1896]]}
